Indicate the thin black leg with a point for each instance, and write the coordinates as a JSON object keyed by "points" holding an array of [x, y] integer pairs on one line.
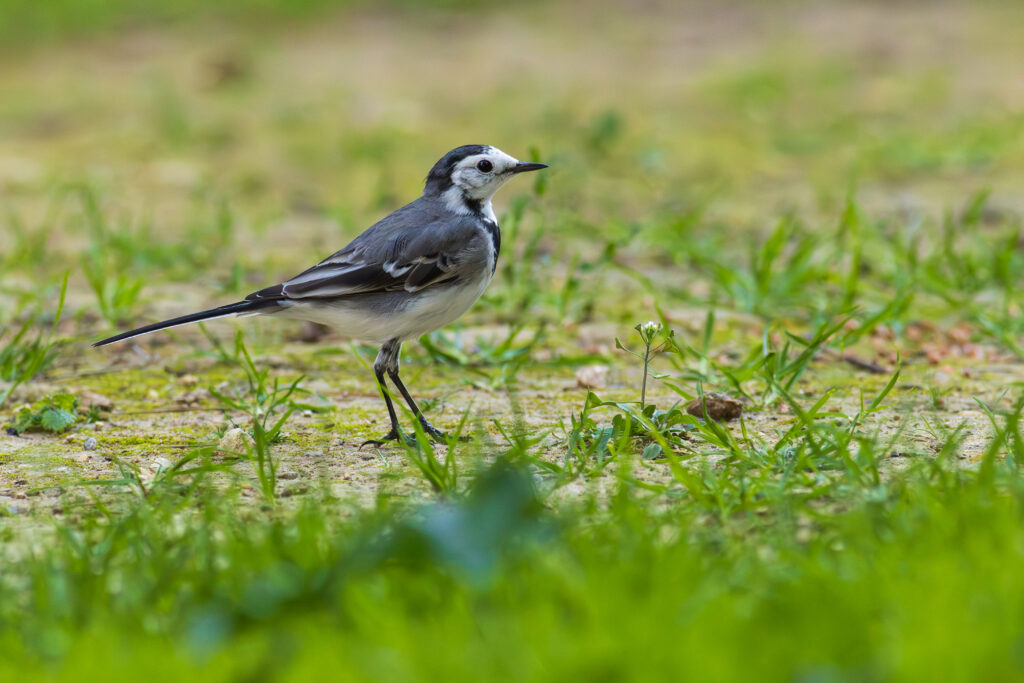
{"points": [[434, 433], [387, 355], [393, 374]]}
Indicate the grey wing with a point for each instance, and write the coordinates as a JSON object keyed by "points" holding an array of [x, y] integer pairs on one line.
{"points": [[407, 251]]}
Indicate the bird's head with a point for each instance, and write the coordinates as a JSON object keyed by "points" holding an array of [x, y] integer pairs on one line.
{"points": [[471, 174]]}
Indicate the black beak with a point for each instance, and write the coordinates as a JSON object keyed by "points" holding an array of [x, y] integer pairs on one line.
{"points": [[522, 167]]}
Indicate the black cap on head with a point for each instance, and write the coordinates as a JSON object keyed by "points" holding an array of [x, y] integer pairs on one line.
{"points": [[440, 177]]}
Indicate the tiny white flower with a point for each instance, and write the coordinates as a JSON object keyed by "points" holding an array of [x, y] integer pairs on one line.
{"points": [[649, 330]]}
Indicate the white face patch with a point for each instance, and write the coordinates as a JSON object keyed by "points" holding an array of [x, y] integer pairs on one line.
{"points": [[481, 175]]}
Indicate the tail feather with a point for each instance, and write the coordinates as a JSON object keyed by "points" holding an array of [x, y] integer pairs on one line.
{"points": [[219, 312]]}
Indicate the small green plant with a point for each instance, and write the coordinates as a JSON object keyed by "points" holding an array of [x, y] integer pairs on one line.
{"points": [[116, 292], [26, 245], [441, 474], [50, 414], [764, 374], [268, 405], [22, 358], [655, 339], [592, 444], [183, 476]]}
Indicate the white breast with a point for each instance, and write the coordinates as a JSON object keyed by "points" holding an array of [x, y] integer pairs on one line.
{"points": [[435, 308]]}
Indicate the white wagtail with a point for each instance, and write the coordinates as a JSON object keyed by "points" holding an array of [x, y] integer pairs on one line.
{"points": [[413, 272]]}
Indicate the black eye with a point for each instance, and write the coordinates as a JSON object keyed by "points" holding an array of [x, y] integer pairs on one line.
{"points": [[484, 165]]}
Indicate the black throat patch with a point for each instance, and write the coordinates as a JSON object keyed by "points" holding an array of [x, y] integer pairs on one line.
{"points": [[491, 228]]}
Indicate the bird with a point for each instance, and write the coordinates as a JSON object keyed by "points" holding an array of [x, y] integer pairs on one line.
{"points": [[413, 272]]}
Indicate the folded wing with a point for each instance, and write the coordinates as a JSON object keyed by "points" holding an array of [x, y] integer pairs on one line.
{"points": [[412, 249]]}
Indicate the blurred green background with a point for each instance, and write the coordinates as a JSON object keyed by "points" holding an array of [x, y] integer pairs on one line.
{"points": [[665, 122]]}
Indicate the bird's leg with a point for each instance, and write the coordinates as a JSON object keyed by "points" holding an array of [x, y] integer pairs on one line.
{"points": [[396, 431], [434, 433], [385, 357]]}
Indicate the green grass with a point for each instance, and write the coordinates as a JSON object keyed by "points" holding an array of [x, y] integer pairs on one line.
{"points": [[827, 230], [910, 578], [26, 22], [23, 356]]}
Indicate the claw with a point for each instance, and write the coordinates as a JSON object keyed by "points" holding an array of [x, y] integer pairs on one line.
{"points": [[436, 434], [393, 435]]}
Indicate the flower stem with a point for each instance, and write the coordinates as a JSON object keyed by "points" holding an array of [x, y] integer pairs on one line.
{"points": [[643, 385]]}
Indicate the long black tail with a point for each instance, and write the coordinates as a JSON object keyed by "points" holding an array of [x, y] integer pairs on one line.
{"points": [[219, 312]]}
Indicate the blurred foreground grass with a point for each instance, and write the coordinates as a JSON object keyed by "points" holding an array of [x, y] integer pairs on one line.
{"points": [[821, 200], [911, 579]]}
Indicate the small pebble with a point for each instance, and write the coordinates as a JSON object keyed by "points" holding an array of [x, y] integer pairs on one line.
{"points": [[592, 377], [90, 399], [235, 440], [294, 490], [149, 472], [90, 443], [312, 332], [719, 407]]}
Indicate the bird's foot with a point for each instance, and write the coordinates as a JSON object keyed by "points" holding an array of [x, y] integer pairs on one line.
{"points": [[436, 434], [393, 435]]}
